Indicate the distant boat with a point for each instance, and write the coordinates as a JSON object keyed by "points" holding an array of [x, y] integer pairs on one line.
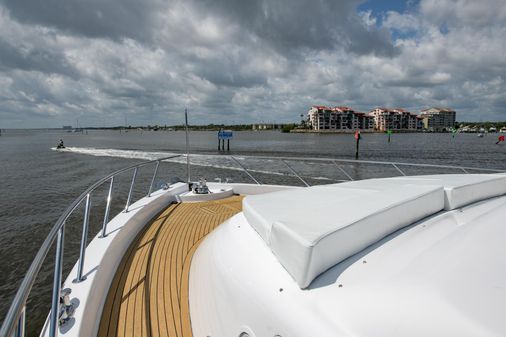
{"points": [[492, 129], [503, 130], [480, 134]]}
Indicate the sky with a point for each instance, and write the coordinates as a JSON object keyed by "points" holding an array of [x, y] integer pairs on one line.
{"points": [[107, 62]]}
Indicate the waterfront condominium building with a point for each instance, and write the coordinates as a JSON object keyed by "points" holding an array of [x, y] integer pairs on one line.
{"points": [[338, 118], [438, 119], [395, 119]]}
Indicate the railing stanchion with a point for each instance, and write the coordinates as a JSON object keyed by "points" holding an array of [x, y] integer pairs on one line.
{"points": [[55, 301], [296, 174], [20, 328], [107, 209], [84, 238], [15, 314], [131, 190], [245, 170], [398, 169], [153, 179], [342, 170]]}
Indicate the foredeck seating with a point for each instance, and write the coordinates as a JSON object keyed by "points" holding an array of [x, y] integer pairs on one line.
{"points": [[460, 189], [463, 189], [312, 229], [149, 293]]}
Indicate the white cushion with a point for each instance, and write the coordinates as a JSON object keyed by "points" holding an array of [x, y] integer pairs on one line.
{"points": [[262, 210], [460, 189], [463, 189], [312, 229]]}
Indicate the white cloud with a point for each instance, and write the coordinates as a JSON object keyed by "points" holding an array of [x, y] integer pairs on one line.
{"points": [[406, 23], [368, 18], [248, 62], [465, 13]]}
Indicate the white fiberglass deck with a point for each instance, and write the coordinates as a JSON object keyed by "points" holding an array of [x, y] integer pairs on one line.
{"points": [[444, 275], [313, 229]]}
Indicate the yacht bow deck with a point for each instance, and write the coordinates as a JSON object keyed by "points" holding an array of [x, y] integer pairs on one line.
{"points": [[149, 293]]}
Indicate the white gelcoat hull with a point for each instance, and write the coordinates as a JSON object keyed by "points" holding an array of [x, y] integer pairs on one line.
{"points": [[443, 276], [237, 285]]}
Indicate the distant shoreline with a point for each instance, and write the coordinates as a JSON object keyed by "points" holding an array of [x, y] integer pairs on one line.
{"points": [[353, 131]]}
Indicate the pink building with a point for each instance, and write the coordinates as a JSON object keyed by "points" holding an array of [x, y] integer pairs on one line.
{"points": [[395, 119], [338, 118]]}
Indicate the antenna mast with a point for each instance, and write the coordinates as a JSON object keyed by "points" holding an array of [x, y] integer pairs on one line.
{"points": [[187, 144]]}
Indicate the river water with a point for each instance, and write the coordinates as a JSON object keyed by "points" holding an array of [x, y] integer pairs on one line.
{"points": [[38, 183]]}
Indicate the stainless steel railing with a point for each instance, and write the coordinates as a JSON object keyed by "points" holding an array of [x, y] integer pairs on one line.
{"points": [[14, 323], [397, 166]]}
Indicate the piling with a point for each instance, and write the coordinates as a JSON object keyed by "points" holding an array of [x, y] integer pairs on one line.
{"points": [[356, 151], [357, 139]]}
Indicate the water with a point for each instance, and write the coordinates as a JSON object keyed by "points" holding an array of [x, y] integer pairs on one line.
{"points": [[37, 183]]}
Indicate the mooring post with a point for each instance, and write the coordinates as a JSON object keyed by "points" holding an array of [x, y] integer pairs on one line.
{"points": [[228, 144], [357, 138], [356, 152]]}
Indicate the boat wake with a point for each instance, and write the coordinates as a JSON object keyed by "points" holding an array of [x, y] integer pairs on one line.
{"points": [[117, 153], [215, 161]]}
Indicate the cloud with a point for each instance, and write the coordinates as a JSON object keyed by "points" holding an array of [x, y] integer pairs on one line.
{"points": [[293, 24], [113, 19], [244, 61], [464, 13], [404, 23]]}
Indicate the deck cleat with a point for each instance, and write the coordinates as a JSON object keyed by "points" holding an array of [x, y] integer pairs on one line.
{"points": [[66, 307]]}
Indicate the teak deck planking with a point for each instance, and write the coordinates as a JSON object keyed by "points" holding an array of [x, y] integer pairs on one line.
{"points": [[149, 293]]}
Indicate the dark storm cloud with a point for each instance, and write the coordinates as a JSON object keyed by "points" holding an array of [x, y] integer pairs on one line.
{"points": [[230, 74], [292, 24], [285, 24], [500, 102], [92, 18], [230, 78], [419, 82], [125, 91], [45, 60]]}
